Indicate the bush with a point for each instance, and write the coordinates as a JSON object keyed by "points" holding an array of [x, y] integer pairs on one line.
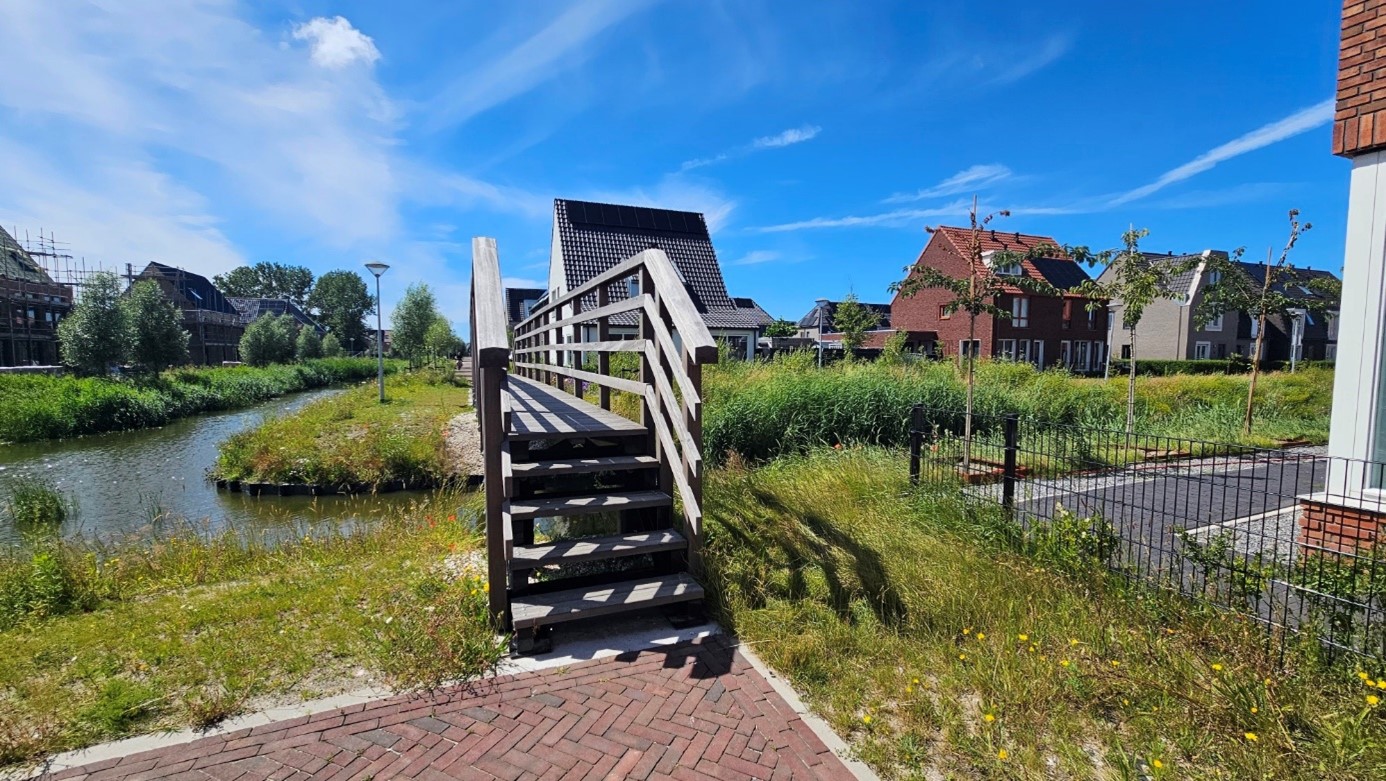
{"points": [[1163, 368], [309, 345], [268, 340]]}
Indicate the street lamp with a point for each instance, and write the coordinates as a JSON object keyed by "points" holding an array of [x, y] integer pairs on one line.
{"points": [[377, 268], [822, 305]]}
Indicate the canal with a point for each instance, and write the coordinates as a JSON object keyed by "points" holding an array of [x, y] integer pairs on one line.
{"points": [[144, 482]]}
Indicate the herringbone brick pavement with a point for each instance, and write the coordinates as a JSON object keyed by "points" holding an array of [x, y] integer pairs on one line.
{"points": [[693, 712]]}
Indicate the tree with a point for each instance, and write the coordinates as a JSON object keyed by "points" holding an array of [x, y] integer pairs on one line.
{"points": [[781, 328], [157, 338], [1137, 281], [331, 348], [340, 300], [309, 345], [975, 293], [1260, 299], [440, 340], [267, 280], [268, 340], [411, 320], [96, 333], [893, 352], [853, 320]]}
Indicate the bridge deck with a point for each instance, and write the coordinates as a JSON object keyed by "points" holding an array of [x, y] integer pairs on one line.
{"points": [[539, 411]]}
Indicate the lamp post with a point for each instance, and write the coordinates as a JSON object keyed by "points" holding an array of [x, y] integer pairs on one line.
{"points": [[822, 305], [377, 268]]}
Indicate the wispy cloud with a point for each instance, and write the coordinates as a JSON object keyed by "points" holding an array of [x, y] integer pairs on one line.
{"points": [[1053, 47], [790, 137], [757, 257], [563, 41], [896, 218], [1298, 122], [967, 180]]}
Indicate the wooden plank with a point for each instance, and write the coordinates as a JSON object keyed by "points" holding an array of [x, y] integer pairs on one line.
{"points": [[527, 428], [540, 609], [499, 539], [693, 456], [491, 345], [597, 548], [692, 507], [629, 386], [614, 346], [626, 305], [692, 399], [578, 466], [567, 506], [688, 321], [623, 269]]}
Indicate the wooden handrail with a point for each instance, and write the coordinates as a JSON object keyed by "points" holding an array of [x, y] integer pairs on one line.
{"points": [[490, 345], [490, 387]]}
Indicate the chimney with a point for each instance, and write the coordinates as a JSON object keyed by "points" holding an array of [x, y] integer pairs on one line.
{"points": [[993, 234], [1017, 235]]}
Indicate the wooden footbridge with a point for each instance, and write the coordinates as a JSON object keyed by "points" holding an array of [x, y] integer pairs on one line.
{"points": [[617, 501]]}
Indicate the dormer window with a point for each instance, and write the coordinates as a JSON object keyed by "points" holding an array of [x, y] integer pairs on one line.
{"points": [[1000, 267]]}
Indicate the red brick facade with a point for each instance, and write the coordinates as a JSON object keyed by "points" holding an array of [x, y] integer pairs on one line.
{"points": [[1335, 529], [1052, 320], [1359, 126]]}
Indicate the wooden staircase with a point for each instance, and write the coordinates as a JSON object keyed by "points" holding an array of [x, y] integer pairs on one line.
{"points": [[589, 513]]}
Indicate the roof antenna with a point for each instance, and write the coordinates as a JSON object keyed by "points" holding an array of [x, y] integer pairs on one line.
{"points": [[1017, 235], [993, 234]]}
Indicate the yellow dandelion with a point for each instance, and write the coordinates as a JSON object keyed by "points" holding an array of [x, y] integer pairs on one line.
{"points": [[1255, 709], [486, 588], [1157, 764], [1381, 684], [1370, 682], [1073, 641], [967, 630], [909, 690], [1363, 676], [1125, 701], [962, 657], [866, 719], [1115, 663], [988, 718], [981, 636], [1373, 700], [1251, 736], [1217, 668], [1064, 663], [915, 681], [1024, 638], [1001, 755], [1268, 682], [1032, 649]]}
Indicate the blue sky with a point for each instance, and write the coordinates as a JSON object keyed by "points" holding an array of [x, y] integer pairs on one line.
{"points": [[820, 138]]}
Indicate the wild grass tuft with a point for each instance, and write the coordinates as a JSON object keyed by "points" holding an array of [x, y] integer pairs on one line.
{"points": [[35, 504]]}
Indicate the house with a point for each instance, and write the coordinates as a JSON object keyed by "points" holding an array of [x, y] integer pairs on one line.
{"points": [[1046, 330], [808, 324], [251, 309], [1168, 329], [31, 305], [1318, 339], [520, 301], [590, 238], [214, 325]]}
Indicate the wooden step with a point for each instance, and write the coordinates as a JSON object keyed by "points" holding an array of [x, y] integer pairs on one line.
{"points": [[579, 466], [564, 506], [536, 610], [593, 548]]}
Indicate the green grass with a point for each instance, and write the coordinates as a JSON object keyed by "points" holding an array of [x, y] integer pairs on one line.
{"points": [[764, 410], [34, 504], [99, 642], [907, 621], [36, 407], [353, 438]]}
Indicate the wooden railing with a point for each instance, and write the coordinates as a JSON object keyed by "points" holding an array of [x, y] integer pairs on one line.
{"points": [[673, 344], [490, 363]]}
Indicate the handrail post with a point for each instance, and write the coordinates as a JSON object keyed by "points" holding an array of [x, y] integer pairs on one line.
{"points": [[693, 420], [575, 360], [916, 441], [1008, 474], [491, 426], [604, 357]]}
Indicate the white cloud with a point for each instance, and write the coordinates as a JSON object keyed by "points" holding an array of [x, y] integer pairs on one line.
{"points": [[896, 218], [969, 179], [1275, 132], [757, 257], [790, 137], [335, 43], [1053, 47]]}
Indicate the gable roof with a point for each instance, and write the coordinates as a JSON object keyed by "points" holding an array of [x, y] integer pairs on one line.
{"points": [[594, 237], [1056, 267], [810, 320], [17, 263], [194, 290], [250, 309], [1296, 286], [515, 298]]}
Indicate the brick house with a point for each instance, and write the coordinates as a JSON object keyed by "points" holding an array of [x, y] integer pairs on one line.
{"points": [[1044, 330], [31, 305], [214, 325]]}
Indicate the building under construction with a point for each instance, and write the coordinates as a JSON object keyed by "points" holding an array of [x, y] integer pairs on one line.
{"points": [[32, 303], [214, 325]]}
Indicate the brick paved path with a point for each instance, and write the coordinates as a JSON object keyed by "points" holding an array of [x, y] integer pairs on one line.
{"points": [[693, 712]]}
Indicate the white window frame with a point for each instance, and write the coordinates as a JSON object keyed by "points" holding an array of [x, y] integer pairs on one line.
{"points": [[1214, 277], [976, 348], [1020, 312], [1255, 327], [1037, 352], [1066, 353], [1081, 361], [1005, 349], [1332, 326], [1330, 352], [1206, 348], [1214, 324]]}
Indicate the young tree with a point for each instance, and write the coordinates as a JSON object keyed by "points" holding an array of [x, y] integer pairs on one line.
{"points": [[1260, 299], [309, 346], [96, 333], [781, 328], [268, 340], [267, 280], [440, 340], [341, 300], [331, 348], [1137, 281], [975, 293], [853, 320], [411, 320], [158, 340], [893, 352]]}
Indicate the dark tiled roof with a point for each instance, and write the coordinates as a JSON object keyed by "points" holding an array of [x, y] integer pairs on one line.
{"points": [[594, 237], [1293, 284], [515, 298], [195, 290], [17, 263], [747, 310], [1061, 273], [252, 308], [1180, 282], [810, 320]]}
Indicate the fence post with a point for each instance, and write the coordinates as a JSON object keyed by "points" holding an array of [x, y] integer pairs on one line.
{"points": [[916, 441], [1008, 473]]}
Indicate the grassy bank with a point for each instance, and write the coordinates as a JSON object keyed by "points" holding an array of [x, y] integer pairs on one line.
{"points": [[763, 410], [35, 407], [353, 438], [96, 643], [938, 655]]}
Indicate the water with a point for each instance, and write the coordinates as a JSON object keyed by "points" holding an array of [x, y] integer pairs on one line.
{"points": [[141, 482]]}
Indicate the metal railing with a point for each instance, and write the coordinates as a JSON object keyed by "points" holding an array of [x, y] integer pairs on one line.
{"points": [[1290, 538]]}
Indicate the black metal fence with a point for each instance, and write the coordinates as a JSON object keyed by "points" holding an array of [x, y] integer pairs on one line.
{"points": [[1290, 537]]}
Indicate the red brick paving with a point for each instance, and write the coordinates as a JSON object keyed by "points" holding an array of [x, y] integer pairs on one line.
{"points": [[693, 712]]}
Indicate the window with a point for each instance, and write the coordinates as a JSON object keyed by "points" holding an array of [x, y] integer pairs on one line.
{"points": [[1065, 353], [633, 286], [1092, 319], [1203, 351], [1222, 350], [1037, 352], [1099, 352], [974, 352], [1214, 277], [943, 312], [1214, 325], [1255, 326], [1020, 312], [1008, 270], [1330, 352], [1333, 327], [1082, 363], [1006, 349], [1022, 350], [1126, 352]]}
